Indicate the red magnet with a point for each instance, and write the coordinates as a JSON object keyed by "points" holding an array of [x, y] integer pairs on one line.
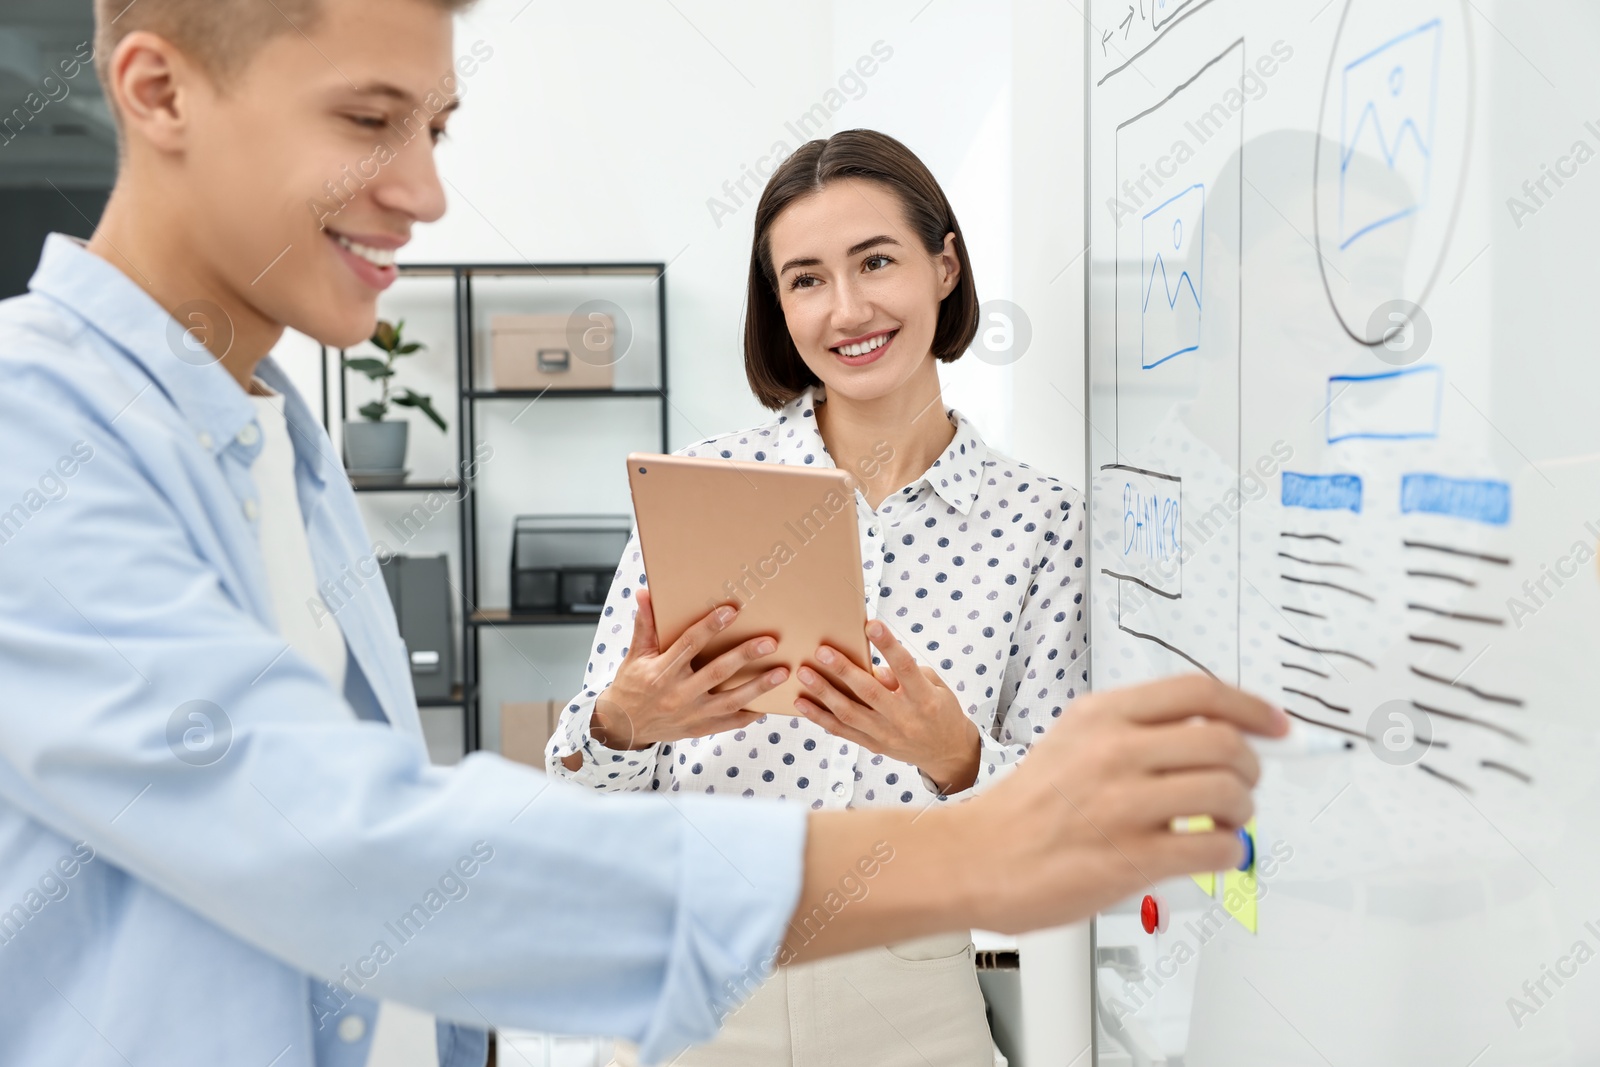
{"points": [[1149, 914]]}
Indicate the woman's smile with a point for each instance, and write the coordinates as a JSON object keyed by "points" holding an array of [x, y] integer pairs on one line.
{"points": [[868, 348]]}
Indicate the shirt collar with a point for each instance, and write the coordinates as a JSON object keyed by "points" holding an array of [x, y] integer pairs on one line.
{"points": [[800, 433], [955, 476], [128, 317]]}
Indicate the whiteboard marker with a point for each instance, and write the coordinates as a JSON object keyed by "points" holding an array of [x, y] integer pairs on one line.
{"points": [[1300, 742]]}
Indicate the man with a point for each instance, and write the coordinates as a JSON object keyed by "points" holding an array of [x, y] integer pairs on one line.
{"points": [[220, 838]]}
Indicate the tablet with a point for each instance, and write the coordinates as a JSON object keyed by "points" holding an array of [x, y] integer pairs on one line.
{"points": [[780, 542]]}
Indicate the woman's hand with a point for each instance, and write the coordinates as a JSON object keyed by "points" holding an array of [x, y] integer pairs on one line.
{"points": [[903, 710], [658, 695]]}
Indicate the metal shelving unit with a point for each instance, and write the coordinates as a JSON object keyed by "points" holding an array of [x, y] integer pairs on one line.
{"points": [[410, 487], [455, 700], [472, 616]]}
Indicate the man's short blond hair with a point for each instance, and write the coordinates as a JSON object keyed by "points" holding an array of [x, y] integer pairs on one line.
{"points": [[221, 35]]}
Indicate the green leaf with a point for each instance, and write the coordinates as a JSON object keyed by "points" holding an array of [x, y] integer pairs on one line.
{"points": [[376, 369], [424, 404], [407, 349], [374, 411]]}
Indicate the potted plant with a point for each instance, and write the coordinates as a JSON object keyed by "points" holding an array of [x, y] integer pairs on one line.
{"points": [[376, 448]]}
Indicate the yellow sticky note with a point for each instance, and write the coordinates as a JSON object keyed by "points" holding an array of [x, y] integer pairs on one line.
{"points": [[1199, 824], [1239, 890]]}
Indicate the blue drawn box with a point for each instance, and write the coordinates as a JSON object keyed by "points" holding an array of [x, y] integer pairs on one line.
{"points": [[1322, 492], [1462, 498], [1397, 405]]}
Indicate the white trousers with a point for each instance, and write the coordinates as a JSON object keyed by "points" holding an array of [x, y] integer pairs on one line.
{"points": [[914, 1004]]}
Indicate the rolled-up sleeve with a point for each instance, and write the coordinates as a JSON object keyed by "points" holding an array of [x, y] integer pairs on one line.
{"points": [[316, 837]]}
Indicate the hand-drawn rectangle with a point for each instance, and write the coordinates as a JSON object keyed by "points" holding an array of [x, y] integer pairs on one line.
{"points": [[1390, 96], [1476, 500], [1322, 492], [1172, 250], [1149, 544], [1393, 406]]}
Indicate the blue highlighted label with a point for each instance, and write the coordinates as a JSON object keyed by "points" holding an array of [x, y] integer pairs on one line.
{"points": [[1322, 492], [1461, 498]]}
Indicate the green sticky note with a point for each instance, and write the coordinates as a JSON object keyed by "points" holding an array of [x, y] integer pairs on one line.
{"points": [[1199, 824]]}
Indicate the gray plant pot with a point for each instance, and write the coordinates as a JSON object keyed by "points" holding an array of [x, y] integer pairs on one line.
{"points": [[375, 446]]}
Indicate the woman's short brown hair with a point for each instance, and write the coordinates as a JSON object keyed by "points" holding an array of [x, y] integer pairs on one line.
{"points": [[776, 372]]}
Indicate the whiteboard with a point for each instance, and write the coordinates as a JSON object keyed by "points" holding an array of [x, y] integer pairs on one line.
{"points": [[1344, 435]]}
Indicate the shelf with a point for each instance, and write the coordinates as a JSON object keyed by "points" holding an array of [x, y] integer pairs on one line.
{"points": [[997, 960], [642, 270], [560, 394], [503, 617], [409, 487], [426, 269], [469, 282]]}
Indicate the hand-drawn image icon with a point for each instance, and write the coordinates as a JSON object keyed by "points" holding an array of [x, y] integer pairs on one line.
{"points": [[1391, 163], [1172, 257], [1390, 96]]}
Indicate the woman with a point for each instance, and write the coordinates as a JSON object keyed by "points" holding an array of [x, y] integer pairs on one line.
{"points": [[859, 285]]}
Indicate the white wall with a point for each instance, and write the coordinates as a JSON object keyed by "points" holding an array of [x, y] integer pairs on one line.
{"points": [[1047, 212], [947, 95]]}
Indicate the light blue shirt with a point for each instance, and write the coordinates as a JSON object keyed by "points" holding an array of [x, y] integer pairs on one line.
{"points": [[208, 856]]}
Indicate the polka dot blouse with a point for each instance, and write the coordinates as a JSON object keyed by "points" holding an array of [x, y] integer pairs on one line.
{"points": [[977, 566]]}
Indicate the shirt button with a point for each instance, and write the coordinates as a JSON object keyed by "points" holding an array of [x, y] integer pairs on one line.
{"points": [[251, 510], [838, 787], [206, 441], [249, 436], [352, 1028]]}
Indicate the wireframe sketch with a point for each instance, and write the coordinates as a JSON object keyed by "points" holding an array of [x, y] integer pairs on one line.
{"points": [[1172, 253], [1390, 97]]}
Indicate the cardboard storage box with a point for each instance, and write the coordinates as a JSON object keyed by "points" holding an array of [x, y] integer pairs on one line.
{"points": [[526, 728], [539, 351]]}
